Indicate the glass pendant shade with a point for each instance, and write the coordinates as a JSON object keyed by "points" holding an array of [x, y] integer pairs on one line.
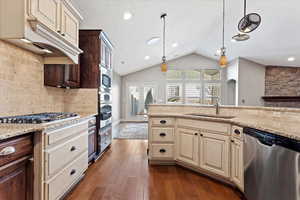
{"points": [[223, 61], [164, 67]]}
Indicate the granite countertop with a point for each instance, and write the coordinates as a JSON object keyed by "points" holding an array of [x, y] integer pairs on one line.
{"points": [[12, 130], [283, 127]]}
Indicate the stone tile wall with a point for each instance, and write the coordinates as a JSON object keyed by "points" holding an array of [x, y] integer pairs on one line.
{"points": [[22, 89]]}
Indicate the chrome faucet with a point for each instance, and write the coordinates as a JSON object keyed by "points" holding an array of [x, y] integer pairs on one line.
{"points": [[217, 105]]}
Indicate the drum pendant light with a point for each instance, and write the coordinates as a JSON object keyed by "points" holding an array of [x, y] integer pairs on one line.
{"points": [[164, 66], [223, 59]]}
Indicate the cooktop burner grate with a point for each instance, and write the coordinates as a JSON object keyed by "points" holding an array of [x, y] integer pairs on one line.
{"points": [[37, 118]]}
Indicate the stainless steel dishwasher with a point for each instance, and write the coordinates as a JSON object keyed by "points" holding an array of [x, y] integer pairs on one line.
{"points": [[271, 166]]}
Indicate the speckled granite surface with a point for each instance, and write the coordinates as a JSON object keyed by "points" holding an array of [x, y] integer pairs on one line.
{"points": [[13, 130], [276, 125]]}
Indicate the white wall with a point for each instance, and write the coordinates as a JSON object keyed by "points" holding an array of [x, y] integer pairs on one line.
{"points": [[154, 75], [116, 98], [251, 83]]}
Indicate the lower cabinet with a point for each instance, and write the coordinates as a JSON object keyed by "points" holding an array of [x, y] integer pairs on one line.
{"points": [[188, 146], [16, 182], [214, 153], [237, 166]]}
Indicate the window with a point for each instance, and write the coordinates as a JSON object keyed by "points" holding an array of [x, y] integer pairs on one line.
{"points": [[174, 93], [193, 86]]}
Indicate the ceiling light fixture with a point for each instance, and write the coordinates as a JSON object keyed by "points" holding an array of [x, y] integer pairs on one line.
{"points": [[223, 59], [175, 44], [164, 66], [127, 15], [47, 51], [240, 37], [147, 57], [291, 59], [25, 40], [249, 22], [153, 40]]}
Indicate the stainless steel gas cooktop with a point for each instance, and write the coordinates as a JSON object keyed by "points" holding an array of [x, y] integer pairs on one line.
{"points": [[37, 118]]}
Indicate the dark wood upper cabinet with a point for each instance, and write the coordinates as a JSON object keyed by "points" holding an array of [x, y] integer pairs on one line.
{"points": [[89, 42]]}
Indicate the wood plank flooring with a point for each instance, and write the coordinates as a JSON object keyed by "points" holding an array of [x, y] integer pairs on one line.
{"points": [[124, 174]]}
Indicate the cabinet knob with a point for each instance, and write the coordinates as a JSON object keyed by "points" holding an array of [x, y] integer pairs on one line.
{"points": [[162, 151], [63, 34], [163, 121], [201, 135], [237, 131], [7, 151], [73, 148], [232, 141], [162, 134], [72, 172], [195, 133], [58, 31]]}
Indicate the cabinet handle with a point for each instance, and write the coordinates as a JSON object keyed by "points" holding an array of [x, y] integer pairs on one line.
{"points": [[7, 151], [162, 134], [72, 172], [237, 131], [162, 151], [195, 133], [73, 148], [163, 121]]}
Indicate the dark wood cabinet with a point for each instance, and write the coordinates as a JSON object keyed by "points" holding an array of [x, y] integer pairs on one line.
{"points": [[62, 76], [90, 43], [16, 172]]}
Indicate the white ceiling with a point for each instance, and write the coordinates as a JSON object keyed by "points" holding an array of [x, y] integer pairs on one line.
{"points": [[196, 26]]}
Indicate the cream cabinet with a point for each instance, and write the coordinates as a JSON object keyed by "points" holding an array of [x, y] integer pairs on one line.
{"points": [[69, 25], [47, 12], [214, 153], [237, 165], [188, 146]]}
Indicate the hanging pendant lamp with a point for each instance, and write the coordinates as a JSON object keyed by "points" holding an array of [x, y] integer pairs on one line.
{"points": [[164, 66], [223, 59]]}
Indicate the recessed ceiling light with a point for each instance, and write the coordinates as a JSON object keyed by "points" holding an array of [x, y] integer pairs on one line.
{"points": [[25, 40], [291, 59], [147, 57], [175, 44], [153, 40], [127, 15]]}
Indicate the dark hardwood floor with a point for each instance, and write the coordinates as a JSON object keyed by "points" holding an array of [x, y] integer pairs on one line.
{"points": [[124, 174]]}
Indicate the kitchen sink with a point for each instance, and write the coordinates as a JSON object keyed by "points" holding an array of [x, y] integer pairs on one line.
{"points": [[213, 116]]}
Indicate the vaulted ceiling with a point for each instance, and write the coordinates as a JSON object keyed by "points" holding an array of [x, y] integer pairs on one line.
{"points": [[196, 26]]}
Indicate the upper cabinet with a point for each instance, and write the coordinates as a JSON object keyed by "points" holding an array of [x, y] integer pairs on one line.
{"points": [[47, 27]]}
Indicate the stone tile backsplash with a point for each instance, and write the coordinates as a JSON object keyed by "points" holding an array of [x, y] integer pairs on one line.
{"points": [[22, 89]]}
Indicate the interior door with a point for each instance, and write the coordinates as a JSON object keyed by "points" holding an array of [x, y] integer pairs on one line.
{"points": [[188, 146], [214, 150], [47, 12], [237, 167]]}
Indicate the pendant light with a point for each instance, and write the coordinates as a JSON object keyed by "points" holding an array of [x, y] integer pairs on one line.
{"points": [[164, 66], [223, 59], [249, 22]]}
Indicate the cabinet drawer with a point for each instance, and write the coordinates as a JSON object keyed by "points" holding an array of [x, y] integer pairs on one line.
{"points": [[59, 156], [237, 132], [162, 151], [57, 186], [16, 148], [54, 136], [162, 135], [163, 121], [208, 126]]}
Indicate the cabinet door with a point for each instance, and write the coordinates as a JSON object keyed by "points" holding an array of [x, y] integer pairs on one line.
{"points": [[69, 26], [16, 181], [188, 146], [47, 12], [214, 156], [237, 167], [54, 75], [72, 76]]}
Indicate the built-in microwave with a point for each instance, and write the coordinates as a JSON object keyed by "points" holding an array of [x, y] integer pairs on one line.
{"points": [[106, 79]]}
